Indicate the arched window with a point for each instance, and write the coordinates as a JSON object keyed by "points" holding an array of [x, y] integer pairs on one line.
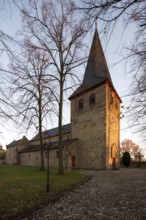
{"points": [[80, 104], [92, 99]]}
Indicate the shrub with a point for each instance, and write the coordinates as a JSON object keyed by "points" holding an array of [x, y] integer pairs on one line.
{"points": [[126, 159]]}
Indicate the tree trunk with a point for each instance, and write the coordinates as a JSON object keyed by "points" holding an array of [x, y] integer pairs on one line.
{"points": [[61, 168], [42, 167]]}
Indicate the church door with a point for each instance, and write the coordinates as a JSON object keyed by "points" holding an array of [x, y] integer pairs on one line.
{"points": [[73, 161], [113, 161], [114, 155]]}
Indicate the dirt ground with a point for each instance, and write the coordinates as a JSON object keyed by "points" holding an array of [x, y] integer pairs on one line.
{"points": [[119, 194]]}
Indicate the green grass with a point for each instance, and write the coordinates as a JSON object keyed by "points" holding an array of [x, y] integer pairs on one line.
{"points": [[23, 188]]}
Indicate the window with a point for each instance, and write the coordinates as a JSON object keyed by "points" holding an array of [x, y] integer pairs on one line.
{"points": [[80, 104], [115, 103], [92, 99], [57, 154], [46, 154], [111, 100]]}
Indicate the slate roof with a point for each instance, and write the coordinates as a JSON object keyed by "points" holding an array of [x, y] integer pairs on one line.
{"points": [[14, 143], [96, 70], [53, 132], [52, 145]]}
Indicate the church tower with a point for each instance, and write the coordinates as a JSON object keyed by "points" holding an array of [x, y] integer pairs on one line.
{"points": [[95, 114]]}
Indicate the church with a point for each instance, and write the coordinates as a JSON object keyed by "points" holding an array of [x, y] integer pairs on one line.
{"points": [[92, 139]]}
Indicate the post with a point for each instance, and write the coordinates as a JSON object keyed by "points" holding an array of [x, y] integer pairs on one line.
{"points": [[48, 172], [139, 159]]}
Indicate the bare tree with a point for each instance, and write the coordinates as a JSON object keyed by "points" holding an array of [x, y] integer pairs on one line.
{"points": [[5, 39], [137, 106], [110, 12], [31, 90], [137, 94], [6, 44], [55, 27]]}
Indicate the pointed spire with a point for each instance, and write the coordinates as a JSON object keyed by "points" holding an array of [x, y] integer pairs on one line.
{"points": [[96, 70], [96, 65]]}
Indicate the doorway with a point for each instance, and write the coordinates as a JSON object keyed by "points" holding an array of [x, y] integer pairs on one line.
{"points": [[73, 161]]}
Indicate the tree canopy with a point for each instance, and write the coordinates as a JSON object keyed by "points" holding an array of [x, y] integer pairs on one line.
{"points": [[129, 146]]}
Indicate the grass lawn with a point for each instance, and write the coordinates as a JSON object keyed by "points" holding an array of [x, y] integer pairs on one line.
{"points": [[23, 188]]}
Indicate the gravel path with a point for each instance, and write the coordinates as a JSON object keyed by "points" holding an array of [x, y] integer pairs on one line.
{"points": [[107, 195]]}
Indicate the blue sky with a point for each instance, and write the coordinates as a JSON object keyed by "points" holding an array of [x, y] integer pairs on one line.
{"points": [[113, 52]]}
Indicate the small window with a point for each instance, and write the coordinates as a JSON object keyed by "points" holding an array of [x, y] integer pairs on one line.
{"points": [[29, 156], [57, 154], [92, 99], [46, 154], [111, 100], [80, 104]]}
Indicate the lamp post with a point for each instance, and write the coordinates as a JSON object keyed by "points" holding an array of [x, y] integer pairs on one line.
{"points": [[48, 170]]}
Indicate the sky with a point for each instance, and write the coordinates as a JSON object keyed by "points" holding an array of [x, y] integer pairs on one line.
{"points": [[10, 23]]}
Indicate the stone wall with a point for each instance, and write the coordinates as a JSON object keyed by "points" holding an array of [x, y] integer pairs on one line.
{"points": [[30, 158], [89, 126], [97, 128], [12, 153], [112, 128], [33, 158]]}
